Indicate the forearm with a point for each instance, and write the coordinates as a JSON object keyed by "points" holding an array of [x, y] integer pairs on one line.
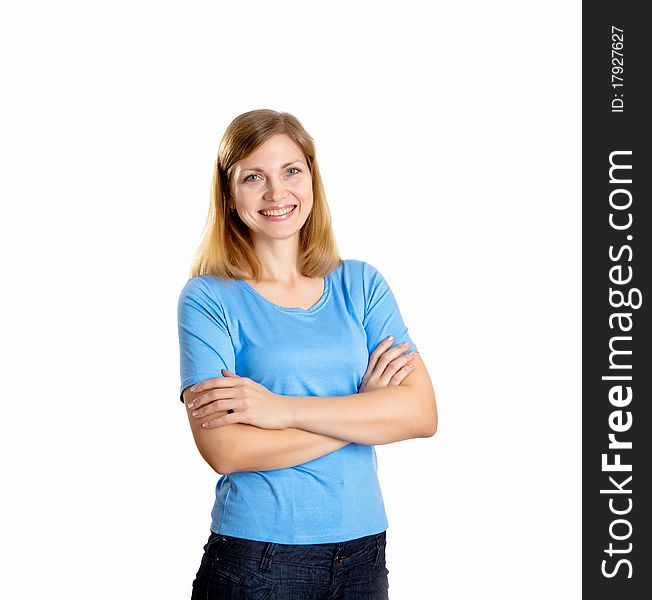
{"points": [[380, 416], [251, 448]]}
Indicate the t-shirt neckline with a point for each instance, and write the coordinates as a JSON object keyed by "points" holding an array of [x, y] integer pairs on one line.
{"points": [[314, 308]]}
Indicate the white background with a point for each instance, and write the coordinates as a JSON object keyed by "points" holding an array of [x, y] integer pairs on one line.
{"points": [[448, 139]]}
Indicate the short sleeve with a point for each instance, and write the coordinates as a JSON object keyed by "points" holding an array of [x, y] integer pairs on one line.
{"points": [[382, 316], [205, 346]]}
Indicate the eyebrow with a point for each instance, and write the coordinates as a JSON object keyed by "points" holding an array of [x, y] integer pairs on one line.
{"points": [[287, 164]]}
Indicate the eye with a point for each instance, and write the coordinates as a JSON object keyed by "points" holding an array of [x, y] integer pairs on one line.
{"points": [[248, 176], [294, 169]]}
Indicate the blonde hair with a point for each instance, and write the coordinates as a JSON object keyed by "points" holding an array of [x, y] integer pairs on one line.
{"points": [[226, 249]]}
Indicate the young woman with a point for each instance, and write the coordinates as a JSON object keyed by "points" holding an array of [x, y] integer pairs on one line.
{"points": [[290, 377]]}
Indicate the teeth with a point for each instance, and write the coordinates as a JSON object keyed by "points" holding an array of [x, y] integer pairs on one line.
{"points": [[276, 213]]}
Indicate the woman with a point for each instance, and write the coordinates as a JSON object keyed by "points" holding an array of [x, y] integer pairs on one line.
{"points": [[290, 377]]}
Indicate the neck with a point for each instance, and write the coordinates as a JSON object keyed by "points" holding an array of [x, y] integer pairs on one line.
{"points": [[279, 259]]}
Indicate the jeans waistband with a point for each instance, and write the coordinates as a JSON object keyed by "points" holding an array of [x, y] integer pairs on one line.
{"points": [[315, 555]]}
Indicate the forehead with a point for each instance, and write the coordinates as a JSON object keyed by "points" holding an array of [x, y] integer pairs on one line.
{"points": [[276, 150]]}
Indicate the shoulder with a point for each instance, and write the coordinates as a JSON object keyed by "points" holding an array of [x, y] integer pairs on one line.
{"points": [[364, 272], [195, 288], [358, 269], [207, 290], [362, 279], [207, 284]]}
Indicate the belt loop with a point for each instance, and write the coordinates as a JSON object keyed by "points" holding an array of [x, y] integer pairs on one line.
{"points": [[268, 554]]}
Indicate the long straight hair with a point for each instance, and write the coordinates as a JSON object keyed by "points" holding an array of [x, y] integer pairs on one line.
{"points": [[226, 249]]}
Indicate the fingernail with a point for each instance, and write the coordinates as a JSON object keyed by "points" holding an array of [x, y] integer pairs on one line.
{"points": [[192, 389], [191, 404], [195, 413], [390, 338]]}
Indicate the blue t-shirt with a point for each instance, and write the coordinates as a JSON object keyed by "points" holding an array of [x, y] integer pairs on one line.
{"points": [[320, 351]]}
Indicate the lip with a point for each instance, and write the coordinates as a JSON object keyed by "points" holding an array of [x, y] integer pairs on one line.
{"points": [[278, 217], [277, 207]]}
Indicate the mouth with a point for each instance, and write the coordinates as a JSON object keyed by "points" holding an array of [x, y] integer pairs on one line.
{"points": [[279, 214]]}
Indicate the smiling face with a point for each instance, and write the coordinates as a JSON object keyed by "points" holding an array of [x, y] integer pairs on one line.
{"points": [[273, 179]]}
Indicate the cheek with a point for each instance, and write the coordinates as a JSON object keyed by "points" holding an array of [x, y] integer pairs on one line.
{"points": [[304, 191], [244, 197]]}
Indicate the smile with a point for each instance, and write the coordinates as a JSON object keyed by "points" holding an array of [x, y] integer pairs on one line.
{"points": [[276, 215]]}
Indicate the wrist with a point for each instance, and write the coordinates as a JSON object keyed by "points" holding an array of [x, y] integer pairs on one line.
{"points": [[290, 406]]}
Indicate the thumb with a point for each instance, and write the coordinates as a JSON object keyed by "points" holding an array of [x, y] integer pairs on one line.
{"points": [[228, 373]]}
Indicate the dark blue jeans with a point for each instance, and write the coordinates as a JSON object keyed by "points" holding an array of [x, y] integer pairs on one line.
{"points": [[233, 568]]}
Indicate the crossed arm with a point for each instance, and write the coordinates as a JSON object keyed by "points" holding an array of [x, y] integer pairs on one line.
{"points": [[320, 425], [379, 416]]}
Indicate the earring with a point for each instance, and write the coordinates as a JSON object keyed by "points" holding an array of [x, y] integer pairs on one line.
{"points": [[232, 207]]}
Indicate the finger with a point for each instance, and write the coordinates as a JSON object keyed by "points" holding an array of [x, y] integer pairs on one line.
{"points": [[403, 359], [378, 362], [391, 354], [228, 373], [225, 420], [213, 382], [217, 406], [378, 351], [209, 396], [394, 367], [382, 346], [401, 374]]}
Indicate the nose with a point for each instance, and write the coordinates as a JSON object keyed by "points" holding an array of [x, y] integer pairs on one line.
{"points": [[276, 189]]}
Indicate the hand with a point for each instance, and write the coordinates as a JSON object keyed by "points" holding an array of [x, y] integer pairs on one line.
{"points": [[251, 403], [387, 366]]}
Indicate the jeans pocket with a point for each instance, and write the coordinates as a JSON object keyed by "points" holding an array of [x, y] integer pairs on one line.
{"points": [[212, 538], [230, 582], [226, 571], [216, 545]]}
